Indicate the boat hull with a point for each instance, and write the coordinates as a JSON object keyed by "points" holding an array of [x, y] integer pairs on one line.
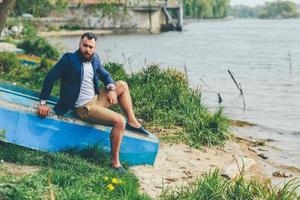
{"points": [[53, 134]]}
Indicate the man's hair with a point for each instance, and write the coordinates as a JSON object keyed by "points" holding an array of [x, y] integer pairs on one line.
{"points": [[89, 36]]}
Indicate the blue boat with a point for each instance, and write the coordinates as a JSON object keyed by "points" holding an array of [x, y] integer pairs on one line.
{"points": [[53, 134]]}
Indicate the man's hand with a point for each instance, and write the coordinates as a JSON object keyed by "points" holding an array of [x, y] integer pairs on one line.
{"points": [[43, 110], [112, 97]]}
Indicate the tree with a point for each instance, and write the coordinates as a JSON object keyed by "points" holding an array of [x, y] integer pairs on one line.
{"points": [[38, 8], [220, 8], [279, 9], [205, 8], [6, 6]]}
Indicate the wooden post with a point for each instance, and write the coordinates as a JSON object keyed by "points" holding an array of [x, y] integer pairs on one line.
{"points": [[290, 61], [219, 98], [150, 15], [186, 74], [239, 86], [205, 83], [179, 16]]}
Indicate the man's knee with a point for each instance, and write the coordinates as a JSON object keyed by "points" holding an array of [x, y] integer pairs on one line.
{"points": [[119, 121], [122, 85]]}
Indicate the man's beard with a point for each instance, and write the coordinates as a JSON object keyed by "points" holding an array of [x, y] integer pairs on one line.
{"points": [[86, 56]]}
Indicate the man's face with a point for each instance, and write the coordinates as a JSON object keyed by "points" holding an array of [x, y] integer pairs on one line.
{"points": [[87, 47]]}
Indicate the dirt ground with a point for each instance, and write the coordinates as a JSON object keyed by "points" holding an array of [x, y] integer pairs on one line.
{"points": [[178, 164]]}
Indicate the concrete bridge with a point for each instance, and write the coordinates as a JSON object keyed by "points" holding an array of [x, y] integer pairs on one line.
{"points": [[136, 15]]}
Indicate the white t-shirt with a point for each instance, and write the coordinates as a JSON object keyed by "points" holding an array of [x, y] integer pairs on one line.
{"points": [[87, 89]]}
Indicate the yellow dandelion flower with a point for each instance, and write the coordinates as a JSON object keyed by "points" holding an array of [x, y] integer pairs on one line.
{"points": [[115, 181], [110, 187]]}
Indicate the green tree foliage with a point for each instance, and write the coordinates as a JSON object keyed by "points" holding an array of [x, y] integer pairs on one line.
{"points": [[243, 11], [61, 5], [29, 30], [220, 8], [205, 9], [8, 61], [40, 47], [12, 70], [39, 8], [279, 9]]}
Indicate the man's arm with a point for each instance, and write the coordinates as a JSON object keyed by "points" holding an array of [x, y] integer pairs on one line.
{"points": [[104, 76], [55, 73], [109, 83]]}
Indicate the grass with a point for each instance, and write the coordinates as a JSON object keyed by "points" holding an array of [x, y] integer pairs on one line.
{"points": [[85, 174], [2, 134], [11, 70], [65, 176], [163, 98], [214, 187], [39, 46]]}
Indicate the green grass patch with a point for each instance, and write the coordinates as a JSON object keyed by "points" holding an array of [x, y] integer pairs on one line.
{"points": [[163, 98], [29, 77], [38, 46], [85, 174], [65, 176], [2, 135], [214, 187]]}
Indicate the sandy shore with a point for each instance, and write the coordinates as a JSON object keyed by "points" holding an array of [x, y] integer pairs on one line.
{"points": [[73, 33], [177, 165]]}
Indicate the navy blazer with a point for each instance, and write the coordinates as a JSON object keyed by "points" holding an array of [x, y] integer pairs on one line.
{"points": [[70, 71]]}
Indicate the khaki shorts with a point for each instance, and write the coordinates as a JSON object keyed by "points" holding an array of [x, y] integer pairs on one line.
{"points": [[96, 110]]}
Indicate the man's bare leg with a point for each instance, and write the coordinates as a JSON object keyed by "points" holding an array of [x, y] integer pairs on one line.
{"points": [[116, 136], [106, 116], [110, 117], [125, 102]]}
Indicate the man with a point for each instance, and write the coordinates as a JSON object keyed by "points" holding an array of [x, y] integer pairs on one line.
{"points": [[79, 73]]}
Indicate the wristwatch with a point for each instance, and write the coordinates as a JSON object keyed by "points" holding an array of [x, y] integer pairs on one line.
{"points": [[111, 87], [43, 102]]}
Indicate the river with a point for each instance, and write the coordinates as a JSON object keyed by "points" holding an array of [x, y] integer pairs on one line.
{"points": [[263, 56]]}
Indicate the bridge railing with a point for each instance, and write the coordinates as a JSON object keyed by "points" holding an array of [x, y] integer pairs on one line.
{"points": [[119, 2]]}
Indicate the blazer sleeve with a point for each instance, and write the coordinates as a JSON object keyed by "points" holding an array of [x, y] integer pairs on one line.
{"points": [[103, 74], [55, 73]]}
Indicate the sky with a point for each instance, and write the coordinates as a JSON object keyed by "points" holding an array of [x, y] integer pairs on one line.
{"points": [[253, 2]]}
